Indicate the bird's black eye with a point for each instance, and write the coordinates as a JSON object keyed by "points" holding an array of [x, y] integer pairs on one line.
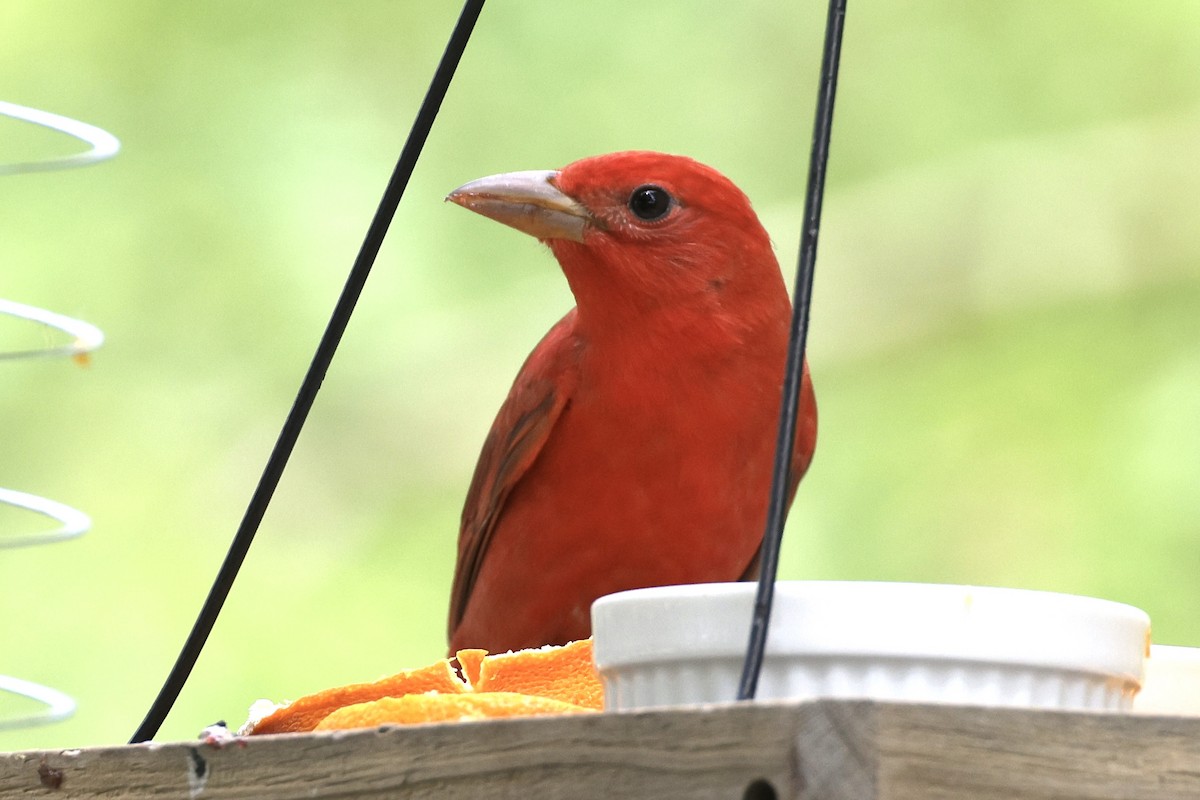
{"points": [[650, 202]]}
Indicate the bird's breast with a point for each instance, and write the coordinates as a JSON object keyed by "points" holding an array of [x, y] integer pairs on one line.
{"points": [[654, 451]]}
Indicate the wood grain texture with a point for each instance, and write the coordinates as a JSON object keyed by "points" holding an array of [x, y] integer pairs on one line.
{"points": [[826, 750], [942, 753]]}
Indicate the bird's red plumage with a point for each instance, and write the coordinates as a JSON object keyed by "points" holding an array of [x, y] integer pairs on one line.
{"points": [[635, 447]]}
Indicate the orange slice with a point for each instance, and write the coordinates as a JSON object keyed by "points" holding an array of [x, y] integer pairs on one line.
{"points": [[550, 680], [305, 713], [417, 708], [563, 673]]}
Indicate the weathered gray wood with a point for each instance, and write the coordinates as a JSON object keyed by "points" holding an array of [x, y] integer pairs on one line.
{"points": [[938, 753], [815, 751], [663, 754]]}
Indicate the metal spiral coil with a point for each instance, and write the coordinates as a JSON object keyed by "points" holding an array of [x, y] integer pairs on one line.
{"points": [[84, 338]]}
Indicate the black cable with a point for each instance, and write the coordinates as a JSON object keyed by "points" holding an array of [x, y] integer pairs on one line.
{"points": [[777, 511], [315, 375]]}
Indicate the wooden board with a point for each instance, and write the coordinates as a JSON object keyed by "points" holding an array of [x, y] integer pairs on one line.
{"points": [[826, 750]]}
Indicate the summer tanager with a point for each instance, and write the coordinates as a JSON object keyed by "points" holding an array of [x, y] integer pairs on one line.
{"points": [[636, 445]]}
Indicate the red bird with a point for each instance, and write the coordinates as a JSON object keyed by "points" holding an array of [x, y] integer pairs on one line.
{"points": [[636, 445]]}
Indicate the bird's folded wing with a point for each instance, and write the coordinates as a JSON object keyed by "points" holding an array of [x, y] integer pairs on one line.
{"points": [[524, 423]]}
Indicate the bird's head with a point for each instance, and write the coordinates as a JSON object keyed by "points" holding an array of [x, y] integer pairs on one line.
{"points": [[638, 231]]}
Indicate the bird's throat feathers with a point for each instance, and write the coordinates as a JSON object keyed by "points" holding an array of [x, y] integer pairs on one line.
{"points": [[715, 292]]}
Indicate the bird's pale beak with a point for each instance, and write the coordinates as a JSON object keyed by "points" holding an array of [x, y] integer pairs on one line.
{"points": [[528, 201]]}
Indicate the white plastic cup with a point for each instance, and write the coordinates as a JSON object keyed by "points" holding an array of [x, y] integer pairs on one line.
{"points": [[684, 645]]}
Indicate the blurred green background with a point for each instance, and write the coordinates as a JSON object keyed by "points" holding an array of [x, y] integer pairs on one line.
{"points": [[1005, 339]]}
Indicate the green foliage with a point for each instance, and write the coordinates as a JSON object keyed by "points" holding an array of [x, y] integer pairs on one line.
{"points": [[1005, 340]]}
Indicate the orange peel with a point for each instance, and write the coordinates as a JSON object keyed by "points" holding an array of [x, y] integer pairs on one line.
{"points": [[470, 662], [417, 708], [549, 680], [305, 713], [564, 673]]}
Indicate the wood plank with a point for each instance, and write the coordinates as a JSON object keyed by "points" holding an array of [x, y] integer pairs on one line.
{"points": [[826, 750], [665, 755], [940, 753]]}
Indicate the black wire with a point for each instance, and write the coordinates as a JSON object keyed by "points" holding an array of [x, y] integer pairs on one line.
{"points": [[315, 375], [777, 511]]}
